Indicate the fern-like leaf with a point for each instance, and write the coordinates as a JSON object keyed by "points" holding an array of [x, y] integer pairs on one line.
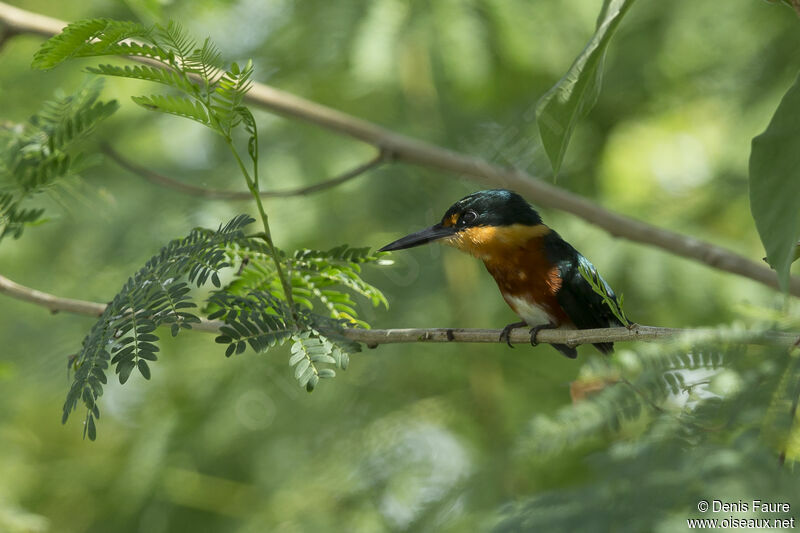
{"points": [[263, 321], [311, 354], [176, 39], [229, 93], [338, 266], [318, 278], [71, 41], [211, 96], [125, 335], [308, 352], [96, 37], [36, 156], [205, 61]]}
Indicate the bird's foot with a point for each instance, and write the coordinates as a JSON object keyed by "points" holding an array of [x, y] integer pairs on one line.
{"points": [[536, 329], [506, 333]]}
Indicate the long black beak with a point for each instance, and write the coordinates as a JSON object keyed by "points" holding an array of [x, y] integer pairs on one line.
{"points": [[421, 237]]}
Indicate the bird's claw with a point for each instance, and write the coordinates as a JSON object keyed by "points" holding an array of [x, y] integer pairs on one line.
{"points": [[506, 333], [535, 332]]}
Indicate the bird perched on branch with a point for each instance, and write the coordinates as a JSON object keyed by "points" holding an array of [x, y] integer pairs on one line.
{"points": [[537, 271]]}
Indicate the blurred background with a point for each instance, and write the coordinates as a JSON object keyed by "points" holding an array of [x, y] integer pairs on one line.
{"points": [[412, 437]]}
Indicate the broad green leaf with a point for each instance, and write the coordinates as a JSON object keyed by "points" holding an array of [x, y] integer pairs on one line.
{"points": [[775, 184], [575, 94]]}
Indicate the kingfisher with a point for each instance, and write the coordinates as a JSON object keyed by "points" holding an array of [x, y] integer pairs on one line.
{"points": [[536, 270]]}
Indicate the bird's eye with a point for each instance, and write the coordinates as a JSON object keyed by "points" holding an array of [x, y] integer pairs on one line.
{"points": [[467, 218]]}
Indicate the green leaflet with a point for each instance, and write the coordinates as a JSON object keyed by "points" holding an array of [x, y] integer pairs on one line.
{"points": [[593, 279], [145, 72], [775, 184], [175, 105], [558, 111]]}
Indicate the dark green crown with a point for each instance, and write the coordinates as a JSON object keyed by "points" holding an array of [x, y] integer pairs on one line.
{"points": [[494, 207]]}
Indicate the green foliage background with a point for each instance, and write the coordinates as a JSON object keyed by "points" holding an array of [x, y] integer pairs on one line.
{"points": [[419, 437]]}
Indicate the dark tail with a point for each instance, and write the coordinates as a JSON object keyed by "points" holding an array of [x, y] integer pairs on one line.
{"points": [[605, 347], [568, 351]]}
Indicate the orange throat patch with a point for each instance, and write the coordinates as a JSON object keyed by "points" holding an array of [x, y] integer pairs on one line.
{"points": [[492, 243]]}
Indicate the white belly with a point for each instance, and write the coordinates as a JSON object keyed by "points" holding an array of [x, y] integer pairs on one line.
{"points": [[530, 312]]}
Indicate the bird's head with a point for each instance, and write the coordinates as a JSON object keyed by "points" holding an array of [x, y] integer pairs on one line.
{"points": [[482, 220]]}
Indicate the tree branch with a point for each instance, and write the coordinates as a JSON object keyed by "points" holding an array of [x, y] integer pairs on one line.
{"points": [[375, 337], [53, 303], [572, 337], [19, 21], [424, 154], [219, 194]]}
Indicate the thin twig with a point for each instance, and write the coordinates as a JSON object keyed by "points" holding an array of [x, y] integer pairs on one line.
{"points": [[219, 194], [382, 157], [375, 337], [417, 152]]}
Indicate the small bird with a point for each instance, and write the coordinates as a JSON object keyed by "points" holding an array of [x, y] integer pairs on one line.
{"points": [[535, 269]]}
